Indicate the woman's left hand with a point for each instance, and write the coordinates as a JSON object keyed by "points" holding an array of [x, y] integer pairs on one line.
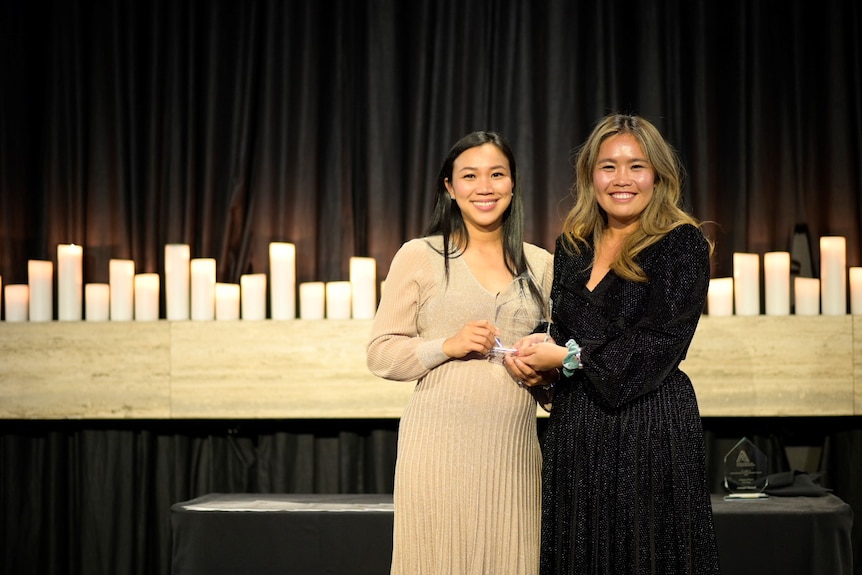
{"points": [[526, 375]]}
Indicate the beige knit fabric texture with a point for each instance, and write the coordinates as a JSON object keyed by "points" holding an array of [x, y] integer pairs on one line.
{"points": [[467, 481]]}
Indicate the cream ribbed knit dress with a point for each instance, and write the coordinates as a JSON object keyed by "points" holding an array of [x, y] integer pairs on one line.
{"points": [[467, 478]]}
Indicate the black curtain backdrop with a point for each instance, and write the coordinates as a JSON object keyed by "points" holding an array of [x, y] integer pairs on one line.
{"points": [[228, 124]]}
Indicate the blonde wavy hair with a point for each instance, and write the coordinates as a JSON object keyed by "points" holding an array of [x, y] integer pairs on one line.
{"points": [[588, 221]]}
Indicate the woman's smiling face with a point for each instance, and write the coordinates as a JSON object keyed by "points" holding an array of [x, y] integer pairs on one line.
{"points": [[623, 180], [482, 186]]}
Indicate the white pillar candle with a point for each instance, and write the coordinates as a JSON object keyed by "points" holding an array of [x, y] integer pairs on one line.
{"points": [[253, 296], [719, 297], [363, 285], [282, 272], [97, 302], [147, 297], [121, 278], [833, 275], [17, 302], [40, 278], [856, 291], [226, 301], [746, 283], [776, 271], [70, 282], [338, 300], [177, 257], [311, 300], [807, 295], [203, 288]]}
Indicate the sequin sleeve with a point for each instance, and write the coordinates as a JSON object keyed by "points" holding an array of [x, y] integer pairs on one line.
{"points": [[634, 335]]}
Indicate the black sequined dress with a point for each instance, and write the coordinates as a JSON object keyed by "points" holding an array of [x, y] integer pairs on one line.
{"points": [[624, 475]]}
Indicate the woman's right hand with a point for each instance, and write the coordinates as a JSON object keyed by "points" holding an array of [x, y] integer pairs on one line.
{"points": [[475, 337], [542, 355]]}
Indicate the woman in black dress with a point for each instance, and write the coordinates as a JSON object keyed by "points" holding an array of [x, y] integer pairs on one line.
{"points": [[624, 474]]}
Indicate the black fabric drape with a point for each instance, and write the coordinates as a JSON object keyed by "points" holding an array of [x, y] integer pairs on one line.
{"points": [[94, 497], [228, 125]]}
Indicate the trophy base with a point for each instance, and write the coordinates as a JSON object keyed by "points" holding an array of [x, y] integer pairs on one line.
{"points": [[732, 496]]}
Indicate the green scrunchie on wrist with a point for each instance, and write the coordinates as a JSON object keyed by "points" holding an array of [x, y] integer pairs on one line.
{"points": [[573, 358]]}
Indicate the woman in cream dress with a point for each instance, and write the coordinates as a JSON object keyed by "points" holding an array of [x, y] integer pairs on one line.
{"points": [[467, 480]]}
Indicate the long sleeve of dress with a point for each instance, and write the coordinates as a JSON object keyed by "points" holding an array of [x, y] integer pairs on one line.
{"points": [[396, 349], [634, 335]]}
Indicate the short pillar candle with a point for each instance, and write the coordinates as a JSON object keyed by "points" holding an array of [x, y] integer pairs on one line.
{"points": [[719, 297], [253, 296], [312, 298], [17, 302], [226, 301], [147, 297], [807, 295], [97, 305], [338, 300]]}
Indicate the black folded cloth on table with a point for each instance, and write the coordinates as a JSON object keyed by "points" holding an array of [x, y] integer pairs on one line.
{"points": [[795, 483]]}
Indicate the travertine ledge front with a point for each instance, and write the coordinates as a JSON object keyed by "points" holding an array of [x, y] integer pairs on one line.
{"points": [[740, 366]]}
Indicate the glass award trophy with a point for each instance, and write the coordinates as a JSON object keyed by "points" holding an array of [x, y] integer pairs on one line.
{"points": [[745, 471]]}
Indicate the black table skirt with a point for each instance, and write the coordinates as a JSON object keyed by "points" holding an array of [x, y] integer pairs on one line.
{"points": [[311, 534]]}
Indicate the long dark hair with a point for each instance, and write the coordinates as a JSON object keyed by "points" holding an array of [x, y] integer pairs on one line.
{"points": [[447, 220]]}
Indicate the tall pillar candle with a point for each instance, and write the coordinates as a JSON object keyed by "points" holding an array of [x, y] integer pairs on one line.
{"points": [[253, 296], [226, 301], [856, 291], [746, 283], [121, 278], [807, 295], [40, 279], [203, 288], [97, 302], [363, 285], [282, 283], [312, 298], [776, 272], [833, 275], [177, 258], [338, 300], [147, 297], [17, 302], [70, 282], [719, 297]]}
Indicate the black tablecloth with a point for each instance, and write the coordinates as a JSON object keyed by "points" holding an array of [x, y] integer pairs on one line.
{"points": [[297, 533], [310, 534], [784, 535]]}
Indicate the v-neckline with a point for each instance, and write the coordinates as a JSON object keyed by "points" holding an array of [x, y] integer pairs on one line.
{"points": [[479, 283]]}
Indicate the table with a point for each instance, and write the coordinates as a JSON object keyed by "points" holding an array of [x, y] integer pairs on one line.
{"points": [[784, 535], [312, 534], [303, 534]]}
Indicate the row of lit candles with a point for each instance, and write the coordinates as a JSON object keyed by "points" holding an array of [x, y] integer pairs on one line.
{"points": [[827, 295], [191, 290]]}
